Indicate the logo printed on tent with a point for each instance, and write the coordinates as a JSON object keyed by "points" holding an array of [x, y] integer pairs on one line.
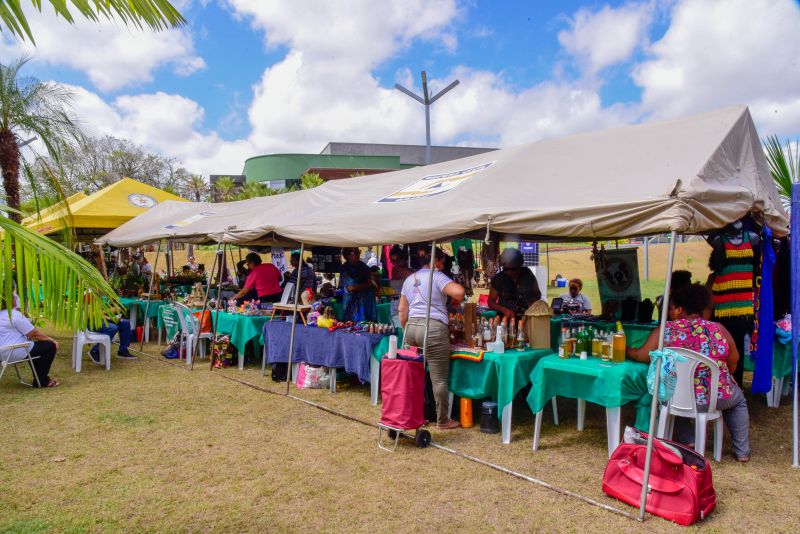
{"points": [[434, 184], [189, 220], [140, 200]]}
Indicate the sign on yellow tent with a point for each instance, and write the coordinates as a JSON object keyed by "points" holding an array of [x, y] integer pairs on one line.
{"points": [[101, 211]]}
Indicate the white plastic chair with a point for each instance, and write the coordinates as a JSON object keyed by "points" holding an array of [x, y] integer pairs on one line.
{"points": [[87, 337], [15, 355], [190, 332], [684, 402]]}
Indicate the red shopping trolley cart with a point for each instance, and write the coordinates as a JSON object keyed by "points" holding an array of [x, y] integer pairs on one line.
{"points": [[403, 398]]}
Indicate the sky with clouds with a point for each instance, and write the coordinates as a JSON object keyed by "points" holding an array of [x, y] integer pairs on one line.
{"points": [[249, 77]]}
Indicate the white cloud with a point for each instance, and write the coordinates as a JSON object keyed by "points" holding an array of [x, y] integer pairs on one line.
{"points": [[721, 53], [111, 54], [599, 39], [165, 123]]}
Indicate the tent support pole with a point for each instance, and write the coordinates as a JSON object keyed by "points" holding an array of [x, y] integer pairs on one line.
{"points": [[294, 319], [149, 297], [219, 292], [431, 268], [647, 258], [205, 307], [795, 303], [654, 403]]}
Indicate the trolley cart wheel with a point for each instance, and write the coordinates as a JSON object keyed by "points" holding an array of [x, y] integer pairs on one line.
{"points": [[423, 438], [392, 433]]}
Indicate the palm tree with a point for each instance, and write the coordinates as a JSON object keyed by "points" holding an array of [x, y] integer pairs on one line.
{"points": [[197, 186], [30, 108], [155, 14], [224, 188], [54, 281], [311, 180], [253, 190], [784, 164]]}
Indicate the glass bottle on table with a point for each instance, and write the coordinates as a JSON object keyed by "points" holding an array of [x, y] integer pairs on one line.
{"points": [[521, 335], [597, 344], [563, 344], [606, 346], [618, 344]]}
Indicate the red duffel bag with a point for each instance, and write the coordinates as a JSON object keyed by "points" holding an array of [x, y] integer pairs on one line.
{"points": [[681, 489]]}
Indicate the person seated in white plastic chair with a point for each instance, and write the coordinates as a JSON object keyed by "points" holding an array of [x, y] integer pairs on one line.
{"points": [[18, 329], [687, 329]]}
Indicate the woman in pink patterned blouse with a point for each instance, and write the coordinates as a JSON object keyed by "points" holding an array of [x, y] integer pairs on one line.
{"points": [[687, 329]]}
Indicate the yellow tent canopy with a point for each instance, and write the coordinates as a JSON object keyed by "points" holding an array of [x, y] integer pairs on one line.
{"points": [[57, 208], [102, 210]]}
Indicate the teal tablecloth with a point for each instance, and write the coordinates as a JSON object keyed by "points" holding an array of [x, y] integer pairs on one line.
{"points": [[636, 334], [608, 384], [781, 360], [384, 312], [140, 305], [242, 329], [499, 376]]}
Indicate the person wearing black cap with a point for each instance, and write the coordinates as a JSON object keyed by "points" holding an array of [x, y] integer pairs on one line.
{"points": [[514, 288]]}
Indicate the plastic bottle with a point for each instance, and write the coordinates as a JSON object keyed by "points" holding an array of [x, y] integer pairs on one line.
{"points": [[466, 413], [499, 346]]}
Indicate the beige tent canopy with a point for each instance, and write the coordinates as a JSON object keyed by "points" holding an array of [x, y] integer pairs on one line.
{"points": [[690, 175], [193, 222]]}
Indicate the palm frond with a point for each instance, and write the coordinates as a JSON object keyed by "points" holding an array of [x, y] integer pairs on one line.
{"points": [[784, 164], [53, 282], [155, 14]]}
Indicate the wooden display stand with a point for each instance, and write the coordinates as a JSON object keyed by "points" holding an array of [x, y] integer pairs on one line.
{"points": [[537, 325], [281, 309]]}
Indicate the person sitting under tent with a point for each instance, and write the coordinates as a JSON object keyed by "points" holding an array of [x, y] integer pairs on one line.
{"points": [[575, 301], [514, 288], [686, 328]]}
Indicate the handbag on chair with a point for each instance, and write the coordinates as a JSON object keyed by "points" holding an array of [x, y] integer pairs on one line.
{"points": [[680, 485]]}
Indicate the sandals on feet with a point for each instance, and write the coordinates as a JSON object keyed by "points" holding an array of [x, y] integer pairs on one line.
{"points": [[54, 383], [743, 459]]}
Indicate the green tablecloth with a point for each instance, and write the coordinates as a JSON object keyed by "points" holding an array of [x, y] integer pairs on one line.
{"points": [[604, 383], [241, 329], [384, 312], [781, 360], [499, 376], [636, 334], [140, 305]]}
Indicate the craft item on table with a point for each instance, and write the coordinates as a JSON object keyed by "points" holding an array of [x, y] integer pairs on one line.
{"points": [[783, 329], [466, 353], [326, 320], [537, 324]]}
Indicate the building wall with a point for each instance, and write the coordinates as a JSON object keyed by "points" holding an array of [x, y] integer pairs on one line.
{"points": [[292, 166], [408, 154]]}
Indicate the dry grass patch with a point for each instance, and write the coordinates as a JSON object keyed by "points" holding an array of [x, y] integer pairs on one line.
{"points": [[152, 447]]}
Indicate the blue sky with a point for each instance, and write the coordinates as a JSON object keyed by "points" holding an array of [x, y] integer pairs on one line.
{"points": [[247, 77]]}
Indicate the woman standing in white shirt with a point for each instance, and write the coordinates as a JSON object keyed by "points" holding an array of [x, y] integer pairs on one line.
{"points": [[412, 311]]}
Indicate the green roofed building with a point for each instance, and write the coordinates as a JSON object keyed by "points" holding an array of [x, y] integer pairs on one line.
{"points": [[343, 160]]}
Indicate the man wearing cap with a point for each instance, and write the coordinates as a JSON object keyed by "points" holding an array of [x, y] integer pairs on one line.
{"points": [[514, 288]]}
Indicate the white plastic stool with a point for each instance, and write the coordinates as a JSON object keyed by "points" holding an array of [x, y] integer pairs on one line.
{"points": [[87, 337]]}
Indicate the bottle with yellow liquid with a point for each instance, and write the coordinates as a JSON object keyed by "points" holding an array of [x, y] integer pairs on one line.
{"points": [[618, 344], [597, 342]]}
